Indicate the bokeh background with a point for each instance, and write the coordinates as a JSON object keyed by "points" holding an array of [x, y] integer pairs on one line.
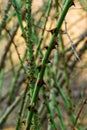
{"points": [[76, 27]]}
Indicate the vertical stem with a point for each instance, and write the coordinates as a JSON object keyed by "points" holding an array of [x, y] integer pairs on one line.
{"points": [[66, 75], [45, 60], [1, 81], [31, 62], [29, 41], [3, 22], [44, 25]]}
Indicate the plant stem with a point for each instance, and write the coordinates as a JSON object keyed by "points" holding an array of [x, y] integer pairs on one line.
{"points": [[45, 60], [31, 61], [11, 108], [44, 25]]}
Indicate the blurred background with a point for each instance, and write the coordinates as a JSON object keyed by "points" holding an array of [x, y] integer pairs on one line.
{"points": [[13, 47]]}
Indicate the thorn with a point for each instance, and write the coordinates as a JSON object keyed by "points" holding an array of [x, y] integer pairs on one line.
{"points": [[52, 30], [56, 17], [31, 106], [35, 110], [43, 82], [28, 94], [46, 47], [72, 3], [55, 43], [39, 67], [49, 61], [24, 121], [32, 41], [45, 96], [39, 98]]}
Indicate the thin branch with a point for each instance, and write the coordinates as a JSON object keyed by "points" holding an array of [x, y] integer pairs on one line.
{"points": [[79, 113], [71, 42], [5, 51]]}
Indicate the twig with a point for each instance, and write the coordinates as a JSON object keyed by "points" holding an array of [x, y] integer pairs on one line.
{"points": [[79, 113], [8, 46], [81, 37], [71, 42], [11, 108], [3, 22]]}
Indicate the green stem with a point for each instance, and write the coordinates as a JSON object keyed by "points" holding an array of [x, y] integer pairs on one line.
{"points": [[44, 25], [59, 113], [19, 14], [48, 105], [45, 60], [1, 81], [13, 85], [5, 17], [31, 61], [10, 108], [66, 75], [66, 102], [22, 110]]}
